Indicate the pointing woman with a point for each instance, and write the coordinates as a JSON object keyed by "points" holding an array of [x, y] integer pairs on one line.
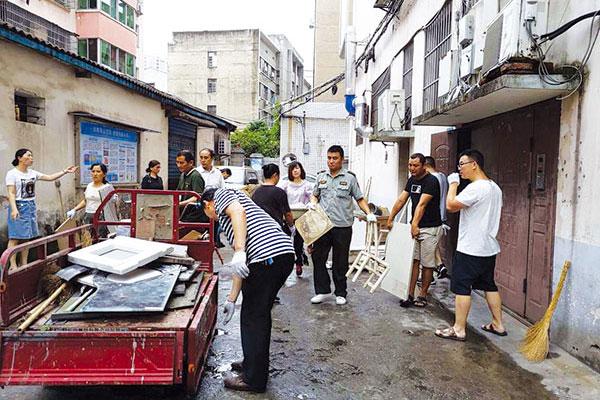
{"points": [[263, 259], [20, 184]]}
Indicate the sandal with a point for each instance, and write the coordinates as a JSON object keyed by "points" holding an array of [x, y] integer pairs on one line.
{"points": [[420, 302], [450, 334], [490, 328], [408, 302]]}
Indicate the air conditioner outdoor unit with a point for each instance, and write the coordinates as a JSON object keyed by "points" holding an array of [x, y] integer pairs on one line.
{"points": [[506, 36], [390, 111], [224, 146], [381, 3]]}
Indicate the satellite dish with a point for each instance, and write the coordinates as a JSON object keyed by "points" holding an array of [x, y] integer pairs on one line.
{"points": [[288, 159]]}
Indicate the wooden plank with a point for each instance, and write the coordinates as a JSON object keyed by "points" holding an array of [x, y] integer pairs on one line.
{"points": [[399, 254], [63, 242]]}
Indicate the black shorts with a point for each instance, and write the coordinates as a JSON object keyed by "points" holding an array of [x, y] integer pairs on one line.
{"points": [[472, 272]]}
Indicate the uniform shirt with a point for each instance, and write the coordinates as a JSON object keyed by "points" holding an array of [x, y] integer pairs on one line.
{"points": [[480, 219], [149, 182], [212, 178], [93, 197], [443, 180], [265, 238], [273, 200], [24, 183], [335, 196], [428, 184]]}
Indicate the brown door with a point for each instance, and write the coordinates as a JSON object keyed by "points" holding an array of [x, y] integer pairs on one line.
{"points": [[443, 150], [505, 144], [546, 134], [521, 153]]}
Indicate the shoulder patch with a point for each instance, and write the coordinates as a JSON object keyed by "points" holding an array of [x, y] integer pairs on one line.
{"points": [[352, 173], [321, 172]]}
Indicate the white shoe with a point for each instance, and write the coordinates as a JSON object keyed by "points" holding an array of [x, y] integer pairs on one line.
{"points": [[328, 265], [340, 301], [319, 298]]}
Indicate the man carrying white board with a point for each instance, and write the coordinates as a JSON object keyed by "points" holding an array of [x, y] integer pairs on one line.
{"points": [[423, 189], [480, 204]]}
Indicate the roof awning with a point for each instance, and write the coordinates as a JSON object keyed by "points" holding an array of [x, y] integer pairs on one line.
{"points": [[97, 117], [503, 94]]}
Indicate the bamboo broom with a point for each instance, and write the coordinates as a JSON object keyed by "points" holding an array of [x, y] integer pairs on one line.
{"points": [[536, 343]]}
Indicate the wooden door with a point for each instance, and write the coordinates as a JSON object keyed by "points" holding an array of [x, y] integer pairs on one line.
{"points": [[444, 151], [505, 144], [546, 135]]}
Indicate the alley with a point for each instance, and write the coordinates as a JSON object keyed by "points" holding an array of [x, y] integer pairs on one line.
{"points": [[369, 349]]}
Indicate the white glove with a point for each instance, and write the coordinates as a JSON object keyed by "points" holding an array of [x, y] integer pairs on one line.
{"points": [[311, 205], [453, 178], [445, 229], [292, 230], [238, 264], [228, 311], [371, 217], [71, 213]]}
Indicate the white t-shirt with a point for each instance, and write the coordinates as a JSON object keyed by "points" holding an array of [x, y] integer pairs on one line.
{"points": [[24, 183], [93, 198], [480, 219], [212, 178]]}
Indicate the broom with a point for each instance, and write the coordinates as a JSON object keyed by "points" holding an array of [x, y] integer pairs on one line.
{"points": [[536, 343]]}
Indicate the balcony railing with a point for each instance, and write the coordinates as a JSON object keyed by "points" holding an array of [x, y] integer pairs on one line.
{"points": [[37, 26]]}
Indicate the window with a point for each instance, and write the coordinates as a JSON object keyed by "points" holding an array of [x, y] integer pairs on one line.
{"points": [[130, 17], [437, 44], [105, 53], [212, 59], [82, 48], [116, 9], [122, 63], [407, 83], [87, 4], [212, 86], [93, 49], [105, 6], [122, 13], [212, 109], [29, 108], [130, 64], [379, 86]]}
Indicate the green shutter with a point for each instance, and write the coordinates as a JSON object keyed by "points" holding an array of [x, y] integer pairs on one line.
{"points": [[105, 53], [82, 49]]}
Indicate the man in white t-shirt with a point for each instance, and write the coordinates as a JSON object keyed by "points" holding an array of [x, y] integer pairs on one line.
{"points": [[212, 179], [480, 204]]}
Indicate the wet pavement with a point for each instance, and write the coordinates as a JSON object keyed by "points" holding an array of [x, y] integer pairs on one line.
{"points": [[368, 349]]}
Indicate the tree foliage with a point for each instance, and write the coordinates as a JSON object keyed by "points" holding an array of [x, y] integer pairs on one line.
{"points": [[258, 137]]}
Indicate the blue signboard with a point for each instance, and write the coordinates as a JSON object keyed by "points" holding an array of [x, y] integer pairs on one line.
{"points": [[115, 147]]}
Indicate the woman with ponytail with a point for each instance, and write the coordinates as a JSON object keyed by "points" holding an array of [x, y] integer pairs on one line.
{"points": [[22, 212], [92, 199]]}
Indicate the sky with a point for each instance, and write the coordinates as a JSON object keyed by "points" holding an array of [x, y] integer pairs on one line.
{"points": [[290, 17]]}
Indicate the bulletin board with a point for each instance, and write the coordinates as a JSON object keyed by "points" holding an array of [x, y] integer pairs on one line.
{"points": [[117, 148]]}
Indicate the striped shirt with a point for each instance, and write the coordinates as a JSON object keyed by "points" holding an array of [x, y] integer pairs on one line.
{"points": [[264, 239]]}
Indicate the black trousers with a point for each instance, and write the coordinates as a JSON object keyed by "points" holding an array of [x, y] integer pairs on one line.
{"points": [[299, 248], [259, 290], [337, 239]]}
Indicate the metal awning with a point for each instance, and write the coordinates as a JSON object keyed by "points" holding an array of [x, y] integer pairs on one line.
{"points": [[503, 94], [102, 118], [392, 136]]}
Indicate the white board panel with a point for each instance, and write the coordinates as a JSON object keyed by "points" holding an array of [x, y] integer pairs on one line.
{"points": [[120, 255], [399, 254]]}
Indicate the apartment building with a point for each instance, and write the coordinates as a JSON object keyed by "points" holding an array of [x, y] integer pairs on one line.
{"points": [[239, 74], [104, 31]]}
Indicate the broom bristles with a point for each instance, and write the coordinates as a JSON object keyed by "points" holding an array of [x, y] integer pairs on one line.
{"points": [[536, 343]]}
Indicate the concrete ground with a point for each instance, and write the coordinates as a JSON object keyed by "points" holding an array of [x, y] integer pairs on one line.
{"points": [[369, 349]]}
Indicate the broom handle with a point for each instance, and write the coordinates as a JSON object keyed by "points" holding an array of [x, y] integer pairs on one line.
{"points": [[41, 308], [559, 288]]}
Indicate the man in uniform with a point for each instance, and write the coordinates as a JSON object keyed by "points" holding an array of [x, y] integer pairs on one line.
{"points": [[334, 191]]}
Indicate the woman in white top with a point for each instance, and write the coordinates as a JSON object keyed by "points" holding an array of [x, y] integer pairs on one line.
{"points": [[298, 191], [20, 184], [92, 199]]}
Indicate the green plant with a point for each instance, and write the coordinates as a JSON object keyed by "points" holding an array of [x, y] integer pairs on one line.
{"points": [[258, 137]]}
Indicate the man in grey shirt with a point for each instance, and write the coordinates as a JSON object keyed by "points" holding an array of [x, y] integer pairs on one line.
{"points": [[334, 191], [442, 271]]}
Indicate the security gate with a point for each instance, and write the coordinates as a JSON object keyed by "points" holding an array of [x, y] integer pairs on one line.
{"points": [[182, 136]]}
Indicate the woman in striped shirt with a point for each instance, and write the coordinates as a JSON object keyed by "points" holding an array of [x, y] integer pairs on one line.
{"points": [[263, 259]]}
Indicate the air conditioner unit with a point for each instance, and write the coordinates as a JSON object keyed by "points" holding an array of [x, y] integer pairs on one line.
{"points": [[390, 110], [465, 30], [361, 116], [381, 3], [506, 36], [224, 146], [448, 72]]}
